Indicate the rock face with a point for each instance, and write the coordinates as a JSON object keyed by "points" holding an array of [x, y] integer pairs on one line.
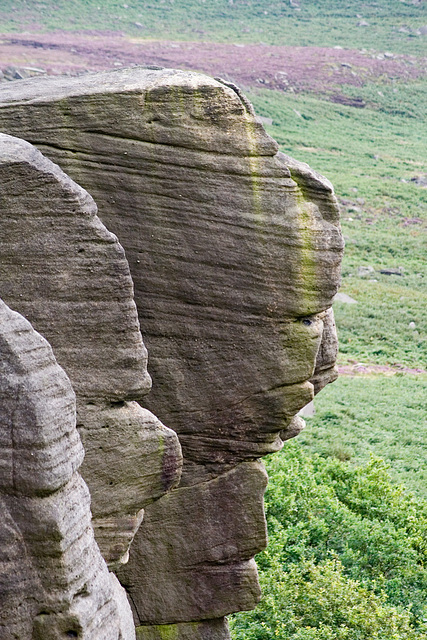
{"points": [[54, 582], [234, 250], [63, 270]]}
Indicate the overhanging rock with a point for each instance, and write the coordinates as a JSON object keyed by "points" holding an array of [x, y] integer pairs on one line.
{"points": [[235, 252]]}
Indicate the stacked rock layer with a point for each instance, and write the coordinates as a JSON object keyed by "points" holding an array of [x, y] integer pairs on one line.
{"points": [[54, 582], [62, 269], [234, 250]]}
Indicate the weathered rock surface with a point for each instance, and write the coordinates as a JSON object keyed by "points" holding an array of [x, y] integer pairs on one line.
{"points": [[235, 251], [209, 566], [62, 269], [205, 630], [326, 370], [54, 582]]}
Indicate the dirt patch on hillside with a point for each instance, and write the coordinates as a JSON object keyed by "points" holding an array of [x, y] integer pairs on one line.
{"points": [[293, 69], [361, 369]]}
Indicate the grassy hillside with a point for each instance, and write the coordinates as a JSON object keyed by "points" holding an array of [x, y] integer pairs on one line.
{"points": [[383, 25], [374, 415]]}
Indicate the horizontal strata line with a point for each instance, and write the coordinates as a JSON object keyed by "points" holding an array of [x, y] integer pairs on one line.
{"points": [[232, 406], [40, 447], [208, 152], [225, 170]]}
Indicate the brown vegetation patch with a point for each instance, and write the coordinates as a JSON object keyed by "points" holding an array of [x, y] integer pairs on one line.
{"points": [[295, 69]]}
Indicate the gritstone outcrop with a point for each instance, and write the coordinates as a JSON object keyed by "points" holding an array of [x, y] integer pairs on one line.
{"points": [[234, 250], [62, 269], [54, 582]]}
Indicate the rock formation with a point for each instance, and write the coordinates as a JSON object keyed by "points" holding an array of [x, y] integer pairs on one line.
{"points": [[234, 250], [54, 582], [62, 269]]}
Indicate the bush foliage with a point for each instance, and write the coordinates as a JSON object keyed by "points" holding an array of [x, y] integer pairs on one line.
{"points": [[346, 557]]}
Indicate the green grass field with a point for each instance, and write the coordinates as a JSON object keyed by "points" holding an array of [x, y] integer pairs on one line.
{"points": [[309, 22], [374, 415]]}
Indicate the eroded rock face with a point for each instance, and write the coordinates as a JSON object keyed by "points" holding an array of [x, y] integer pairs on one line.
{"points": [[62, 269], [204, 630], [235, 251], [54, 582], [210, 560]]}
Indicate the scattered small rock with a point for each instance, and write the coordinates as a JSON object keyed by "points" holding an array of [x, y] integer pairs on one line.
{"points": [[412, 325], [343, 297], [420, 180], [365, 271], [363, 23]]}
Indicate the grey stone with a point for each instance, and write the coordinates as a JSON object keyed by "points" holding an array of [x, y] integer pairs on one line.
{"points": [[325, 370], [235, 251], [53, 579], [365, 271], [296, 425], [210, 216], [205, 630], [343, 297], [392, 271], [203, 567], [62, 269]]}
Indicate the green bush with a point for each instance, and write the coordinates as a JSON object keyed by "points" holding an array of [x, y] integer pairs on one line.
{"points": [[346, 556]]}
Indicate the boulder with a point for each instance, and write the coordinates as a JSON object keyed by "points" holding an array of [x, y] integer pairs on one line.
{"points": [[62, 269], [195, 541], [205, 630], [53, 580], [235, 251]]}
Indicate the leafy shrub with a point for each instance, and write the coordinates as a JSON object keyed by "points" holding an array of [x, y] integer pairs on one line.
{"points": [[346, 555]]}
